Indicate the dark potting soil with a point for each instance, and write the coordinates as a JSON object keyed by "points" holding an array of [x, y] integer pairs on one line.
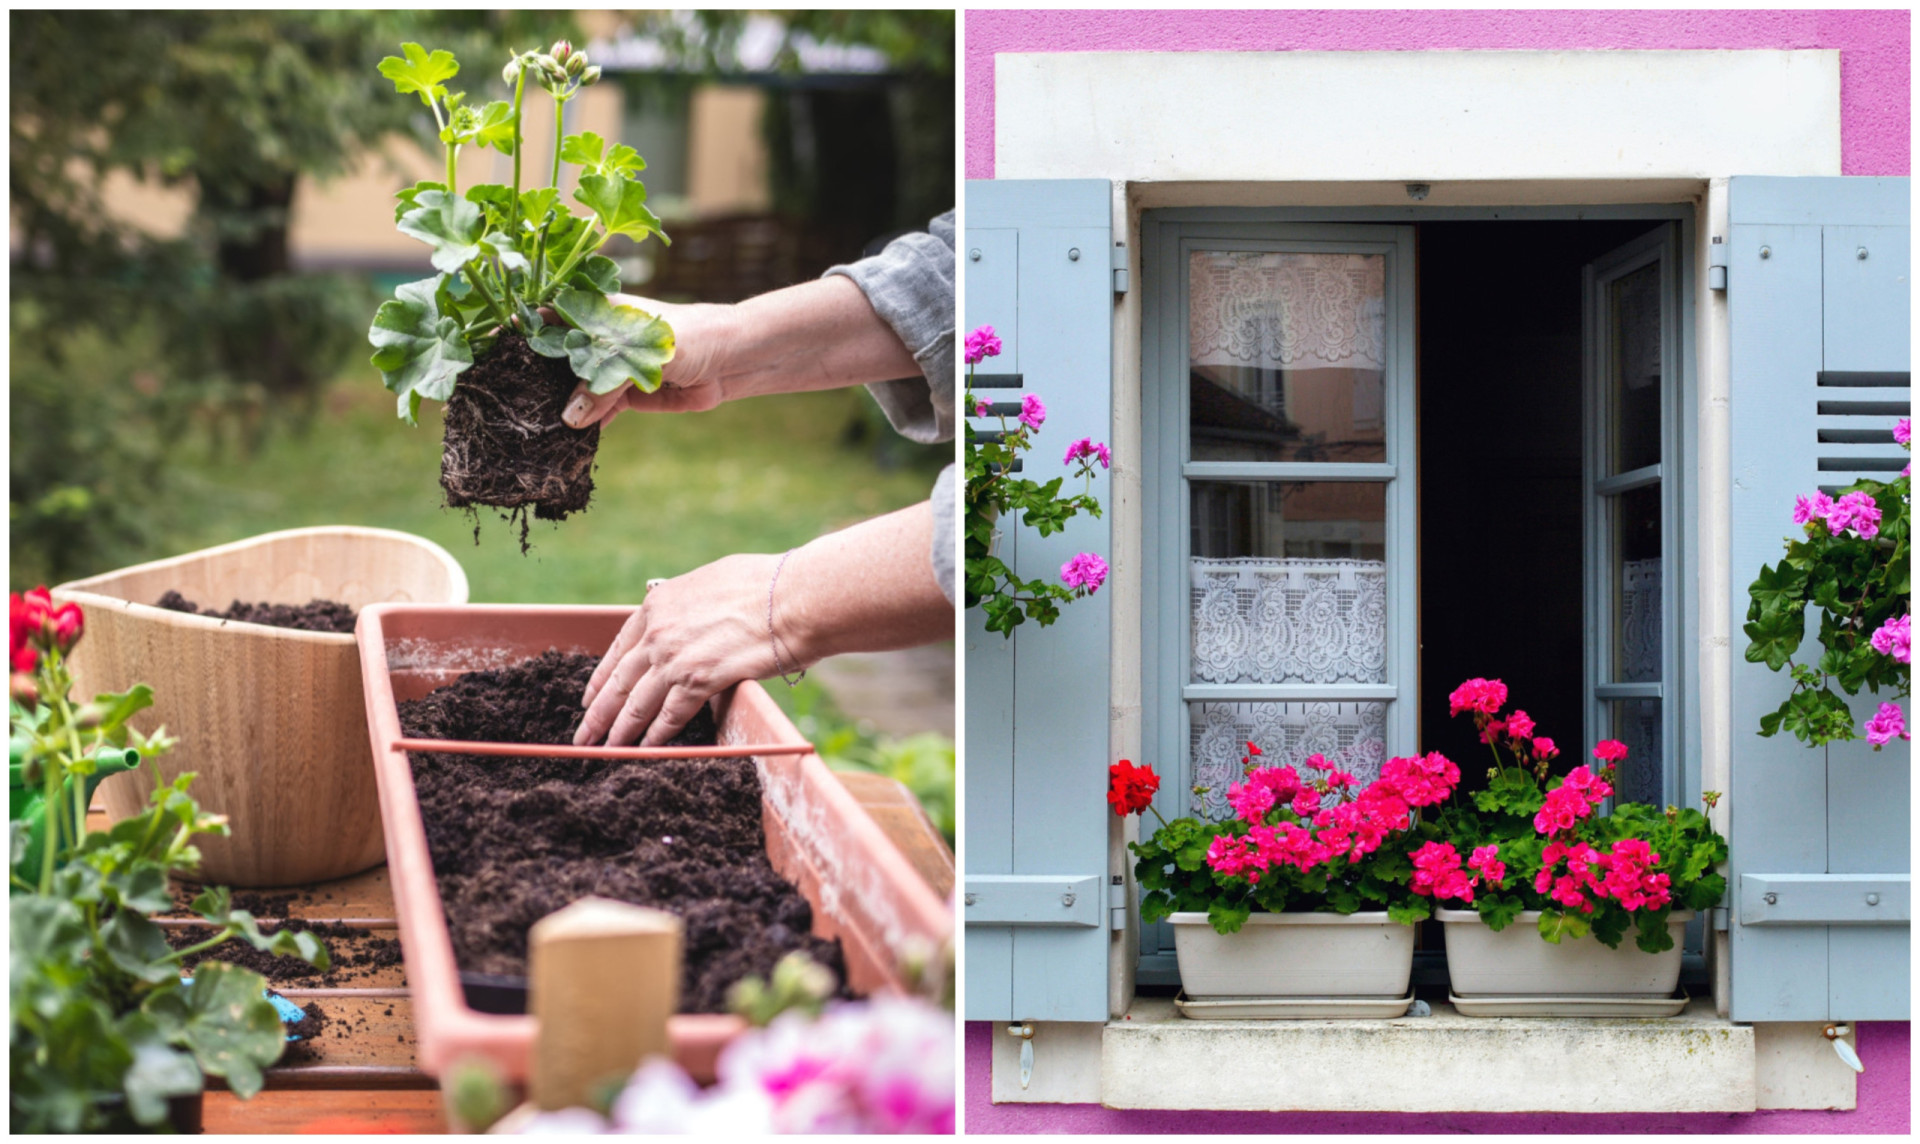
{"points": [[313, 616], [357, 954], [309, 1029], [504, 445], [514, 839]]}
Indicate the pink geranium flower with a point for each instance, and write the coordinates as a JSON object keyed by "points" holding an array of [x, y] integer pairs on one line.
{"points": [[1421, 780], [1856, 511], [983, 409], [1895, 638], [1610, 751], [1085, 571], [1520, 725], [1903, 430], [982, 343], [1486, 862], [1437, 873], [1250, 801], [1887, 725], [1815, 508], [1033, 411], [1574, 799], [1485, 696], [1088, 447]]}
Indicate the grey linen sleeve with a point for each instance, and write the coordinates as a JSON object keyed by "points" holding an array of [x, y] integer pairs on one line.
{"points": [[910, 285]]}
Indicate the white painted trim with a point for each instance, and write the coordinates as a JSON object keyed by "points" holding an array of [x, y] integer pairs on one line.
{"points": [[1415, 116]]}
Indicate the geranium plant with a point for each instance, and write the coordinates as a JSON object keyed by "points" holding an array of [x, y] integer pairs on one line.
{"points": [[1295, 844], [104, 1030], [1851, 562], [513, 263], [994, 493], [1531, 842]]}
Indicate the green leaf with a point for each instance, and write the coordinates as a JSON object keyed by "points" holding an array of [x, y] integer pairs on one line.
{"points": [[142, 886], [452, 225], [1228, 919], [159, 1071], [493, 127], [1408, 914], [535, 204], [122, 706], [1498, 910], [613, 343], [1155, 907], [136, 947], [421, 73], [621, 205], [1654, 936], [590, 151], [1778, 588], [224, 1017], [418, 351], [597, 272], [1556, 924], [408, 198]]}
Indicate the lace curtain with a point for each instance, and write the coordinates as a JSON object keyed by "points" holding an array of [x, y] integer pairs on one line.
{"points": [[1289, 620], [1288, 311], [1639, 648], [1352, 737]]}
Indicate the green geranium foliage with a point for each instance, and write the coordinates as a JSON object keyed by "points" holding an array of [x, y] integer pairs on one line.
{"points": [[104, 1029], [512, 257], [1850, 566]]}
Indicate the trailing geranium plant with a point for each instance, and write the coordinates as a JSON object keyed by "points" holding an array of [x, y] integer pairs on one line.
{"points": [[515, 263], [1529, 842], [1295, 844], [104, 1030], [995, 493], [1852, 562]]}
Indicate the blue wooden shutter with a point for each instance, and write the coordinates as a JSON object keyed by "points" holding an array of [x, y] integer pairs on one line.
{"points": [[1038, 271], [1818, 293]]}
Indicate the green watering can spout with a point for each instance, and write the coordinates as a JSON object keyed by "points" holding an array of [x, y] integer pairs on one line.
{"points": [[27, 803]]}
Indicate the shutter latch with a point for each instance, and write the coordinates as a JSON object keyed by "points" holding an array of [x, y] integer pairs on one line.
{"points": [[1117, 904], [1717, 264]]}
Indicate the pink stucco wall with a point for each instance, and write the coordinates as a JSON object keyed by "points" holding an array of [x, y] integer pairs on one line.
{"points": [[1874, 82], [1883, 1097], [1875, 140]]}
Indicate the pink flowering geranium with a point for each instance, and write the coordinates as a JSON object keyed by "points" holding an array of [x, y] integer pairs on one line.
{"points": [[982, 344], [1486, 863], [1090, 449], [1895, 638], [1421, 780], [1482, 696], [1084, 573], [1437, 873], [1855, 512], [1808, 509], [1903, 431], [1251, 801], [1610, 750], [1519, 725], [1886, 725], [1033, 411], [983, 409], [1577, 796]]}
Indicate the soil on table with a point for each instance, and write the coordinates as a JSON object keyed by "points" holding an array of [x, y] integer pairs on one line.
{"points": [[357, 954], [309, 1029], [504, 444], [312, 616], [514, 839]]}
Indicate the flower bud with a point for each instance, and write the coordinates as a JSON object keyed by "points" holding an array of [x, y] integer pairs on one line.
{"points": [[590, 77], [89, 716], [32, 771], [67, 623], [561, 50], [511, 73], [21, 686], [576, 63]]}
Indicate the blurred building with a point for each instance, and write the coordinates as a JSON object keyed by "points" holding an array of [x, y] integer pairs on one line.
{"points": [[764, 175]]}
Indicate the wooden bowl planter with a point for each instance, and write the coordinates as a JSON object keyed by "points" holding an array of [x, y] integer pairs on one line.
{"points": [[1516, 973], [862, 889], [271, 719], [1295, 965]]}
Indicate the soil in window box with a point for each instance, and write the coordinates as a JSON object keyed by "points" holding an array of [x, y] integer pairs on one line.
{"points": [[514, 839], [504, 445], [357, 955], [313, 616]]}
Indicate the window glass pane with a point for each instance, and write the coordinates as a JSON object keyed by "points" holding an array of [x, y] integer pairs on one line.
{"points": [[1287, 356], [1633, 389], [1636, 585], [1636, 722], [1351, 736]]}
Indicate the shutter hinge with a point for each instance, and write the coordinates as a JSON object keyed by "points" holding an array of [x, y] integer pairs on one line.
{"points": [[1117, 904], [1717, 264], [1119, 268], [1717, 918]]}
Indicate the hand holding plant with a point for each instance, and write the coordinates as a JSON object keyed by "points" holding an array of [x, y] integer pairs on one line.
{"points": [[1852, 563], [993, 493]]}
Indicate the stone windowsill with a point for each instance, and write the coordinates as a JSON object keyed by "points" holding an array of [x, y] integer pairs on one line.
{"points": [[1696, 1062]]}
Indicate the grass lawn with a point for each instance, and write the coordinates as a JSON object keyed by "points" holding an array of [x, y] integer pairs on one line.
{"points": [[671, 492]]}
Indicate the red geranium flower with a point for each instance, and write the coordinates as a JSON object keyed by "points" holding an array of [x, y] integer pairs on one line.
{"points": [[1130, 789]]}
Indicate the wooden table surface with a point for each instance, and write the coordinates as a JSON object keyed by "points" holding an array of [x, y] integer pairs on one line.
{"points": [[367, 1080]]}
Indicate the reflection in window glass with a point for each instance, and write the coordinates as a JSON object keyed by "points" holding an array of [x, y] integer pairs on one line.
{"points": [[1302, 519], [1636, 585], [1287, 356], [1633, 387]]}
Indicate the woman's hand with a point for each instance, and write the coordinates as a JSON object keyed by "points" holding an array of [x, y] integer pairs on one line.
{"points": [[694, 636], [688, 383]]}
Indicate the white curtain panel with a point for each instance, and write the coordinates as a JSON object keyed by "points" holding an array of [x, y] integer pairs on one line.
{"points": [[1288, 311], [1289, 620], [1352, 737], [1640, 620]]}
